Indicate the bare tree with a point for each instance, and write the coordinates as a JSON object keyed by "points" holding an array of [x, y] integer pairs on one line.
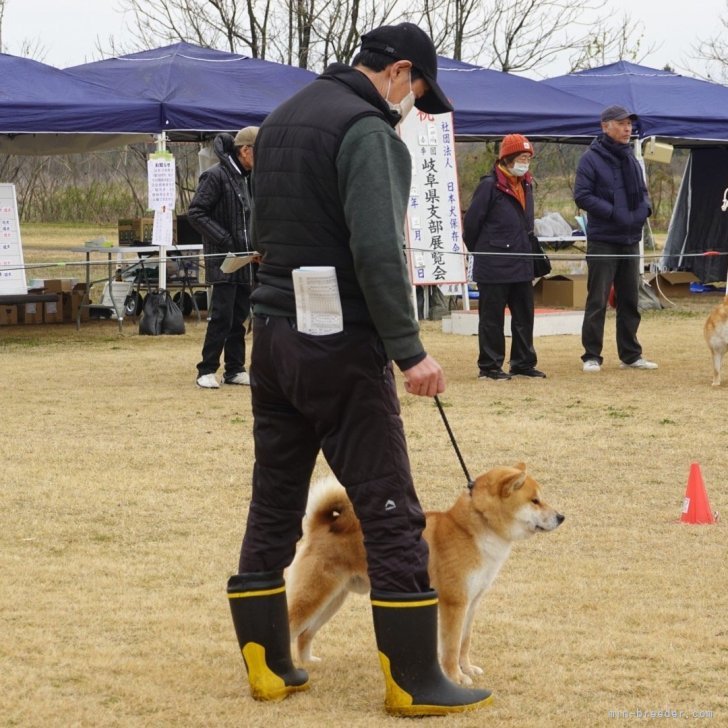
{"points": [[714, 51], [524, 35], [452, 24], [517, 36], [341, 24], [609, 44], [29, 48], [307, 33], [208, 23]]}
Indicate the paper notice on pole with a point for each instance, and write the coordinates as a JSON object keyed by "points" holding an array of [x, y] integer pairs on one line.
{"points": [[163, 227], [161, 179], [235, 261], [318, 305]]}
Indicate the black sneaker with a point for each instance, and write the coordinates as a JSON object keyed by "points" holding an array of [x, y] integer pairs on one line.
{"points": [[531, 372], [497, 374]]}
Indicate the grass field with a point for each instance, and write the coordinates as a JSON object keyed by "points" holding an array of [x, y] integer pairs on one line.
{"points": [[124, 494]]}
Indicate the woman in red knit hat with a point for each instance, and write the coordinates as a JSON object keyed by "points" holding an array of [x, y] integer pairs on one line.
{"points": [[497, 226]]}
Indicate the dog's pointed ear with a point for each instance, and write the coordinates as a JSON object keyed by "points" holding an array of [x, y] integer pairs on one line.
{"points": [[520, 466], [513, 483]]}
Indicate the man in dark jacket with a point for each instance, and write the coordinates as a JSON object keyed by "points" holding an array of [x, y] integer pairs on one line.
{"points": [[221, 211], [332, 179], [610, 187]]}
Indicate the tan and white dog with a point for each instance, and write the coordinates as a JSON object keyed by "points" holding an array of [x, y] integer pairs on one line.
{"points": [[716, 336], [469, 543]]}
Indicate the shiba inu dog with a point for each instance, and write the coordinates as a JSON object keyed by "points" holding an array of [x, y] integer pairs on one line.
{"points": [[469, 543], [716, 336]]}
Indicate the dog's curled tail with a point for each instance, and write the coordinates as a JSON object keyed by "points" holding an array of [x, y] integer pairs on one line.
{"points": [[329, 507]]}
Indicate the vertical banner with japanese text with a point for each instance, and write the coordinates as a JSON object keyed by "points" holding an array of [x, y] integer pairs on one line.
{"points": [[12, 268], [434, 232]]}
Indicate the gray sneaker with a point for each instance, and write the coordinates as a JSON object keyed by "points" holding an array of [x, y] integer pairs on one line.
{"points": [[208, 381], [639, 364], [591, 365]]}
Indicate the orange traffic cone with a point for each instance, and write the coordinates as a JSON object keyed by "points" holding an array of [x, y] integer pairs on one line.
{"points": [[696, 508]]}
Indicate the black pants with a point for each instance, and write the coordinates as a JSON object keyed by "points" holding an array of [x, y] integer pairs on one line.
{"points": [[492, 301], [335, 393], [624, 274], [226, 329]]}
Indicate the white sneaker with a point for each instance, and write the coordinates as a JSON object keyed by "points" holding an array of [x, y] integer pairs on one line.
{"points": [[639, 364], [239, 378], [591, 365], [208, 381]]}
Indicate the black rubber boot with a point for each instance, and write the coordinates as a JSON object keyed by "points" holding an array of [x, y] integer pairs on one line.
{"points": [[260, 616], [406, 630]]}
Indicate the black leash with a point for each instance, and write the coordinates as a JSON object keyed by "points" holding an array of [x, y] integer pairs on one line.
{"points": [[454, 443]]}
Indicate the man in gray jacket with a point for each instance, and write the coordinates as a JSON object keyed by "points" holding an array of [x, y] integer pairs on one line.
{"points": [[610, 187]]}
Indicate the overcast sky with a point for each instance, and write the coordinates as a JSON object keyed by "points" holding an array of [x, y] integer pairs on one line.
{"points": [[68, 30]]}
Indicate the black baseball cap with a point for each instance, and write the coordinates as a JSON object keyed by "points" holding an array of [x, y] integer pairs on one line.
{"points": [[407, 42], [617, 113]]}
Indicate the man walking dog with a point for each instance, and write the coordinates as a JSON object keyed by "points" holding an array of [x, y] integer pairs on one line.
{"points": [[332, 179]]}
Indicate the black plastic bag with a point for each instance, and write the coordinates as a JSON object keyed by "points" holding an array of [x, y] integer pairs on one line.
{"points": [[161, 315], [541, 262], [174, 321]]}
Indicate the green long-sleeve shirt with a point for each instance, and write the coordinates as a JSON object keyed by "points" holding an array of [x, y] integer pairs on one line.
{"points": [[374, 171]]}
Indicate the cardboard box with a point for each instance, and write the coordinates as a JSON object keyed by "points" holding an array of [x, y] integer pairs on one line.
{"points": [[72, 302], [562, 290], [672, 284], [30, 313], [54, 285], [8, 314], [53, 311], [138, 230]]}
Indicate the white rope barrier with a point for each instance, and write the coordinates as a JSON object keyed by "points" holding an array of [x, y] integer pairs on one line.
{"points": [[195, 257]]}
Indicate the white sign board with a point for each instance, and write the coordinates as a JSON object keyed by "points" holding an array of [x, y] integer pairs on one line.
{"points": [[434, 229], [12, 267]]}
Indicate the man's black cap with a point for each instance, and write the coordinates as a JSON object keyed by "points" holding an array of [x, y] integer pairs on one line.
{"points": [[407, 42], [617, 113]]}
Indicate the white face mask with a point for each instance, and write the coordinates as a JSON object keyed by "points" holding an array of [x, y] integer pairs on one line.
{"points": [[519, 168], [405, 105]]}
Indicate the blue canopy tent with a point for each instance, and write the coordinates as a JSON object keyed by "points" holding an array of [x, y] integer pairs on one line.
{"points": [[45, 110], [201, 91], [489, 104], [686, 112]]}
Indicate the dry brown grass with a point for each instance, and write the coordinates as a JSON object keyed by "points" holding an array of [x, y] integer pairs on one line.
{"points": [[124, 494]]}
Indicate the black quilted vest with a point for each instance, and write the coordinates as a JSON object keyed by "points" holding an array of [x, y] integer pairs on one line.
{"points": [[299, 216]]}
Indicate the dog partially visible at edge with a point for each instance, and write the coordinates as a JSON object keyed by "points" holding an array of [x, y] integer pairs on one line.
{"points": [[716, 336], [469, 543]]}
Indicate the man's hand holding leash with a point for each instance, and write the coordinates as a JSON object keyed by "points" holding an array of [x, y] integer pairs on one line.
{"points": [[425, 379]]}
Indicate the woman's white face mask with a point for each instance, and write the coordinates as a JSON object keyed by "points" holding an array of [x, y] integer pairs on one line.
{"points": [[404, 106], [519, 168]]}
